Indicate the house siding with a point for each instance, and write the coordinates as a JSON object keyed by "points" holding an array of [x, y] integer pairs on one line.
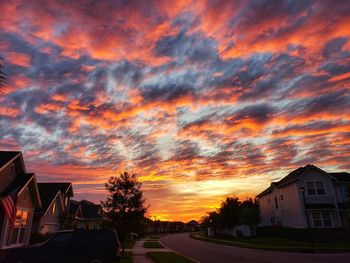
{"points": [[25, 201], [5, 178], [49, 222], [291, 211]]}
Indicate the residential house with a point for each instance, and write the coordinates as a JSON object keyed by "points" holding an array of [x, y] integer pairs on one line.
{"points": [[87, 215], [14, 178], [307, 197], [55, 205]]}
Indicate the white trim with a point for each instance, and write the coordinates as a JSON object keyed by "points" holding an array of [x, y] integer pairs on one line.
{"points": [[48, 208], [24, 186], [10, 161]]}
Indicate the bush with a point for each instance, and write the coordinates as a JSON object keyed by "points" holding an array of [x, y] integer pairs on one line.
{"points": [[324, 234]]}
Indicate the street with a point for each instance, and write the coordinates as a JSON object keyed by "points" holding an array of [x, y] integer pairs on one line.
{"points": [[206, 252]]}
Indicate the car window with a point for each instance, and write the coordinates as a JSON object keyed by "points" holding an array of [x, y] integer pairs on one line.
{"points": [[61, 240], [105, 239], [82, 240]]}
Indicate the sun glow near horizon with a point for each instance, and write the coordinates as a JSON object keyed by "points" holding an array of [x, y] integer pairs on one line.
{"points": [[200, 100]]}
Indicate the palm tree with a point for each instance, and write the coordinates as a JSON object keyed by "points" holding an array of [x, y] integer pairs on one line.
{"points": [[3, 75]]}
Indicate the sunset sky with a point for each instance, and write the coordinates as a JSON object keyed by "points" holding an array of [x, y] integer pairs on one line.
{"points": [[201, 99]]}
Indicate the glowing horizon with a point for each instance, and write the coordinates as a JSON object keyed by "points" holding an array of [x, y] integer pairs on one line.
{"points": [[201, 99]]}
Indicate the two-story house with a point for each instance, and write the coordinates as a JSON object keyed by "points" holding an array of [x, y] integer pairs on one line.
{"points": [[307, 197], [15, 179], [87, 215], [55, 204]]}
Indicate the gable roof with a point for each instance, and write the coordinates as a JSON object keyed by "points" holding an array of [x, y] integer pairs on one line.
{"points": [[21, 182], [48, 192], [7, 156], [90, 210], [290, 178], [64, 187], [341, 176], [73, 207]]}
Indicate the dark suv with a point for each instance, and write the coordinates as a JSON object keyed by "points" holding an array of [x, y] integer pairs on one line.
{"points": [[92, 246]]}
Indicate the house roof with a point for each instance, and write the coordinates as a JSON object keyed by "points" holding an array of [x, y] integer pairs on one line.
{"points": [[48, 192], [73, 207], [90, 210], [341, 176], [291, 177], [6, 157], [19, 183], [64, 187]]}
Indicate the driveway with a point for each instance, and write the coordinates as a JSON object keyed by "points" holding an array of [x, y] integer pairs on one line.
{"points": [[206, 252]]}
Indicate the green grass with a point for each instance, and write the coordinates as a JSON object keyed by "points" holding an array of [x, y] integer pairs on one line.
{"points": [[152, 244], [283, 244], [168, 257], [127, 257]]}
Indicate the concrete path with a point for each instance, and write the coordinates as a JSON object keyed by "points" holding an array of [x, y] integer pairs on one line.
{"points": [[206, 252], [139, 253]]}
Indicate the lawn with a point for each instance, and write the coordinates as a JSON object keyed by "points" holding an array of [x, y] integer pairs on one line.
{"points": [[127, 257], [152, 244], [168, 257], [130, 244], [283, 244]]}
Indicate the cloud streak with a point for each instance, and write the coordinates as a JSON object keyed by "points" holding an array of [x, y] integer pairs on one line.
{"points": [[190, 100]]}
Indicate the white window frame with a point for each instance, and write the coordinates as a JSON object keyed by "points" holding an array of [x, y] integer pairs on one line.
{"points": [[315, 188], [21, 228], [322, 219]]}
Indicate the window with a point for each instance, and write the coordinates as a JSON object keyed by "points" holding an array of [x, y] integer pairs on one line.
{"points": [[54, 208], [320, 188], [310, 188], [315, 188], [16, 233], [268, 200], [281, 197], [61, 240], [276, 202], [321, 219], [272, 220]]}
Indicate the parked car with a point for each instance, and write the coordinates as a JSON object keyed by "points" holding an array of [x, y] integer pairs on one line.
{"points": [[91, 246]]}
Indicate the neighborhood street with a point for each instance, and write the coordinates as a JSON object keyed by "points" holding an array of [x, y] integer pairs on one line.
{"points": [[206, 252]]}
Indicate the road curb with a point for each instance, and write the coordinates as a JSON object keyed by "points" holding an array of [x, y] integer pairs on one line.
{"points": [[196, 261]]}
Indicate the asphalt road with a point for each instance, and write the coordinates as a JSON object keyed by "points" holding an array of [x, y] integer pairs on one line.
{"points": [[206, 252]]}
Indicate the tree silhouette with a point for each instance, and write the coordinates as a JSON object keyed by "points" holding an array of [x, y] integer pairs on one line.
{"points": [[125, 204]]}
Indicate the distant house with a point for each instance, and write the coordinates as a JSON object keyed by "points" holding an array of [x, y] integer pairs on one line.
{"points": [[55, 203], [14, 178], [307, 197], [87, 215], [192, 226]]}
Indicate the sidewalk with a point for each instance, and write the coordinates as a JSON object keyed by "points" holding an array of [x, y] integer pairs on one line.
{"points": [[140, 253]]}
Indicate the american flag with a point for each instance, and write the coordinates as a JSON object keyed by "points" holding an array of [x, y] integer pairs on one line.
{"points": [[9, 204]]}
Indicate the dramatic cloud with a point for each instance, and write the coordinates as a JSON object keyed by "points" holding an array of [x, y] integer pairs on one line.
{"points": [[201, 99]]}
